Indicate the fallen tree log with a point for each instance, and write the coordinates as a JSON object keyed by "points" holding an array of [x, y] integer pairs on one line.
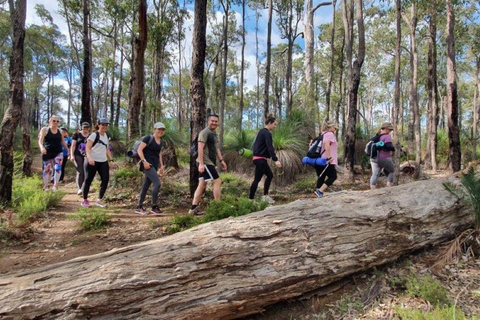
{"points": [[235, 267]]}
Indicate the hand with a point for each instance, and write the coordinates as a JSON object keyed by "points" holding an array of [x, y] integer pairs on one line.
{"points": [[111, 164], [201, 168], [43, 150], [330, 160], [161, 170], [146, 165], [278, 164], [91, 162], [224, 166]]}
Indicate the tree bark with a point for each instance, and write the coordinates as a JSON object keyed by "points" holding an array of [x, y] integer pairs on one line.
{"points": [[476, 109], [137, 80], [328, 90], [197, 85], [242, 69], [86, 104], [452, 93], [396, 94], [223, 87], [269, 61], [235, 267], [13, 114]]}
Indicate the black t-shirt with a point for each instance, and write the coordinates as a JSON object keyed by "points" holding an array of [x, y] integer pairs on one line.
{"points": [[263, 146], [53, 143], [152, 151], [77, 136]]}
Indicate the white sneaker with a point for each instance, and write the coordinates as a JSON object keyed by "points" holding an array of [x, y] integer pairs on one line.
{"points": [[100, 203], [79, 192], [268, 199]]}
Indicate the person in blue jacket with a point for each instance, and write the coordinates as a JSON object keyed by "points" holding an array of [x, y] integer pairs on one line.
{"points": [[68, 141]]}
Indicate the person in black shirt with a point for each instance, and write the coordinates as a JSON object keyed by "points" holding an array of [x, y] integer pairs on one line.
{"points": [[50, 141], [262, 151], [77, 153], [151, 159]]}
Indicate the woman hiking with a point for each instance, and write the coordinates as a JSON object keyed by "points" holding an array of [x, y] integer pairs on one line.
{"points": [[77, 154], [383, 160], [151, 159], [327, 174]]}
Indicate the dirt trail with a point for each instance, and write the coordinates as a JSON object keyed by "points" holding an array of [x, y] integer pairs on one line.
{"points": [[57, 237]]}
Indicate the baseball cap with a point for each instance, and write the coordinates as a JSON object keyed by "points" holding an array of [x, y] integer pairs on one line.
{"points": [[387, 125], [103, 121], [86, 124], [159, 125]]}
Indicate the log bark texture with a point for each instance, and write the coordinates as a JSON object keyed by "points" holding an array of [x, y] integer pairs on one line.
{"points": [[235, 267]]}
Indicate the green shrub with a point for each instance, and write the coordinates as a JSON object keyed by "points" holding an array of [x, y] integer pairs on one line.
{"points": [[127, 177], [30, 201], [443, 313], [231, 206], [428, 289], [183, 222], [233, 184], [92, 218], [306, 184]]}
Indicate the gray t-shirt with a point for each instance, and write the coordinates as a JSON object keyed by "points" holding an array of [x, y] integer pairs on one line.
{"points": [[99, 150], [211, 141]]}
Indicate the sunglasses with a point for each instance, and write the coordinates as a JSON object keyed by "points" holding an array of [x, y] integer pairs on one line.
{"points": [[104, 124], [55, 120], [160, 129]]}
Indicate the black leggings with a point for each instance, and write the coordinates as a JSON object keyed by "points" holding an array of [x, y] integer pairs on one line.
{"points": [[104, 171], [64, 163], [261, 168], [330, 172]]}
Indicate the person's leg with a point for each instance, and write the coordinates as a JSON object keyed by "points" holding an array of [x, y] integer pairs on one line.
{"points": [[64, 164], [47, 170], [389, 168], [331, 173], [145, 185], [58, 169], [104, 171], [217, 189], [80, 162], [257, 178], [90, 174], [268, 172], [156, 186], [375, 174], [202, 184], [321, 175]]}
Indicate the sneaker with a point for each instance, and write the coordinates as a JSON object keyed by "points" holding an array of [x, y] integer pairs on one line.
{"points": [[85, 203], [318, 193], [80, 191], [268, 199], [141, 210], [100, 203], [46, 188], [54, 189], [156, 210], [195, 211]]}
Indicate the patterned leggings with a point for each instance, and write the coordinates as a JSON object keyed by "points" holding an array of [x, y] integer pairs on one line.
{"points": [[52, 166]]}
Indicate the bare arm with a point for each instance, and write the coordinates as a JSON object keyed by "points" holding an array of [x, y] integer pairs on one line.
{"points": [[41, 139]]}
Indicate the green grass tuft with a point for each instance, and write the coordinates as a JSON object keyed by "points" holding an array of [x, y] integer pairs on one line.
{"points": [[428, 289], [443, 313], [92, 219]]}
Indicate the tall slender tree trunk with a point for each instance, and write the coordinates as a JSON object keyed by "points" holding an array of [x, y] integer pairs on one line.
{"points": [[86, 106], [452, 94], [180, 91], [269, 60], [26, 142], [328, 90], [396, 94], [137, 81], [223, 97], [120, 82], [197, 85], [13, 114], [476, 107], [114, 59], [242, 67]]}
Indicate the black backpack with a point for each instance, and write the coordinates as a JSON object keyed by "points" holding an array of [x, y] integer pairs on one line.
{"points": [[194, 148], [371, 148], [315, 149]]}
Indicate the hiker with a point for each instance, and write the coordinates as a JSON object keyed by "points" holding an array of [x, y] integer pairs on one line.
{"points": [[208, 153], [68, 141], [50, 141], [262, 151], [77, 154], [98, 155], [383, 160], [327, 174], [151, 161]]}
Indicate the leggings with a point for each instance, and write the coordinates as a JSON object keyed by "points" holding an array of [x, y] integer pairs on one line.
{"points": [[150, 176], [80, 164], [330, 172], [104, 171], [377, 166], [64, 164], [54, 164], [261, 168]]}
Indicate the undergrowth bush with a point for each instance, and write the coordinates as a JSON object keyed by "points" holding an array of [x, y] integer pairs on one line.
{"points": [[92, 218], [183, 222], [428, 289], [127, 176], [443, 313], [30, 201], [233, 184]]}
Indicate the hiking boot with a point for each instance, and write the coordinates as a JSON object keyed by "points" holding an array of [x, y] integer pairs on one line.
{"points": [[156, 210], [195, 211], [100, 203], [85, 203], [268, 199], [141, 210], [318, 193]]}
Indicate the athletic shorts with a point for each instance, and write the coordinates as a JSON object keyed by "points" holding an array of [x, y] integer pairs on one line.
{"points": [[209, 174]]}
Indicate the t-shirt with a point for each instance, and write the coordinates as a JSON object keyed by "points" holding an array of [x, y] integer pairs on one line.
{"points": [[99, 150], [383, 153], [211, 141], [79, 138], [263, 145], [329, 137], [53, 142], [152, 151]]}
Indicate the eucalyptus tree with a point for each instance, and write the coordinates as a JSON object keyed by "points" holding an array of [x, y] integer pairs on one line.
{"points": [[289, 17], [13, 114], [455, 153], [268, 61], [86, 102], [242, 68], [328, 89], [396, 93]]}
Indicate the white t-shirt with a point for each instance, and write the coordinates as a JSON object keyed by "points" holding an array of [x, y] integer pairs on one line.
{"points": [[99, 150]]}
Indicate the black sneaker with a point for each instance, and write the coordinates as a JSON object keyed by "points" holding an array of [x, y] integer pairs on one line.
{"points": [[195, 211], [141, 211], [156, 210]]}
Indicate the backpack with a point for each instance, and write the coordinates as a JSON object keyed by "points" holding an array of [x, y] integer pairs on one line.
{"points": [[134, 152], [194, 148], [314, 151], [371, 149], [97, 139]]}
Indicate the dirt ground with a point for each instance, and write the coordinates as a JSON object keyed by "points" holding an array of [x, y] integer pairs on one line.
{"points": [[56, 238]]}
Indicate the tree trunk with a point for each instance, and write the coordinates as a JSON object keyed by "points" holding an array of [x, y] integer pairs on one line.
{"points": [[396, 94], [269, 60], [328, 90], [452, 94], [197, 86], [137, 80], [114, 64], [87, 66], [13, 114], [242, 69], [226, 8], [237, 266], [26, 142], [120, 82], [476, 107]]}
